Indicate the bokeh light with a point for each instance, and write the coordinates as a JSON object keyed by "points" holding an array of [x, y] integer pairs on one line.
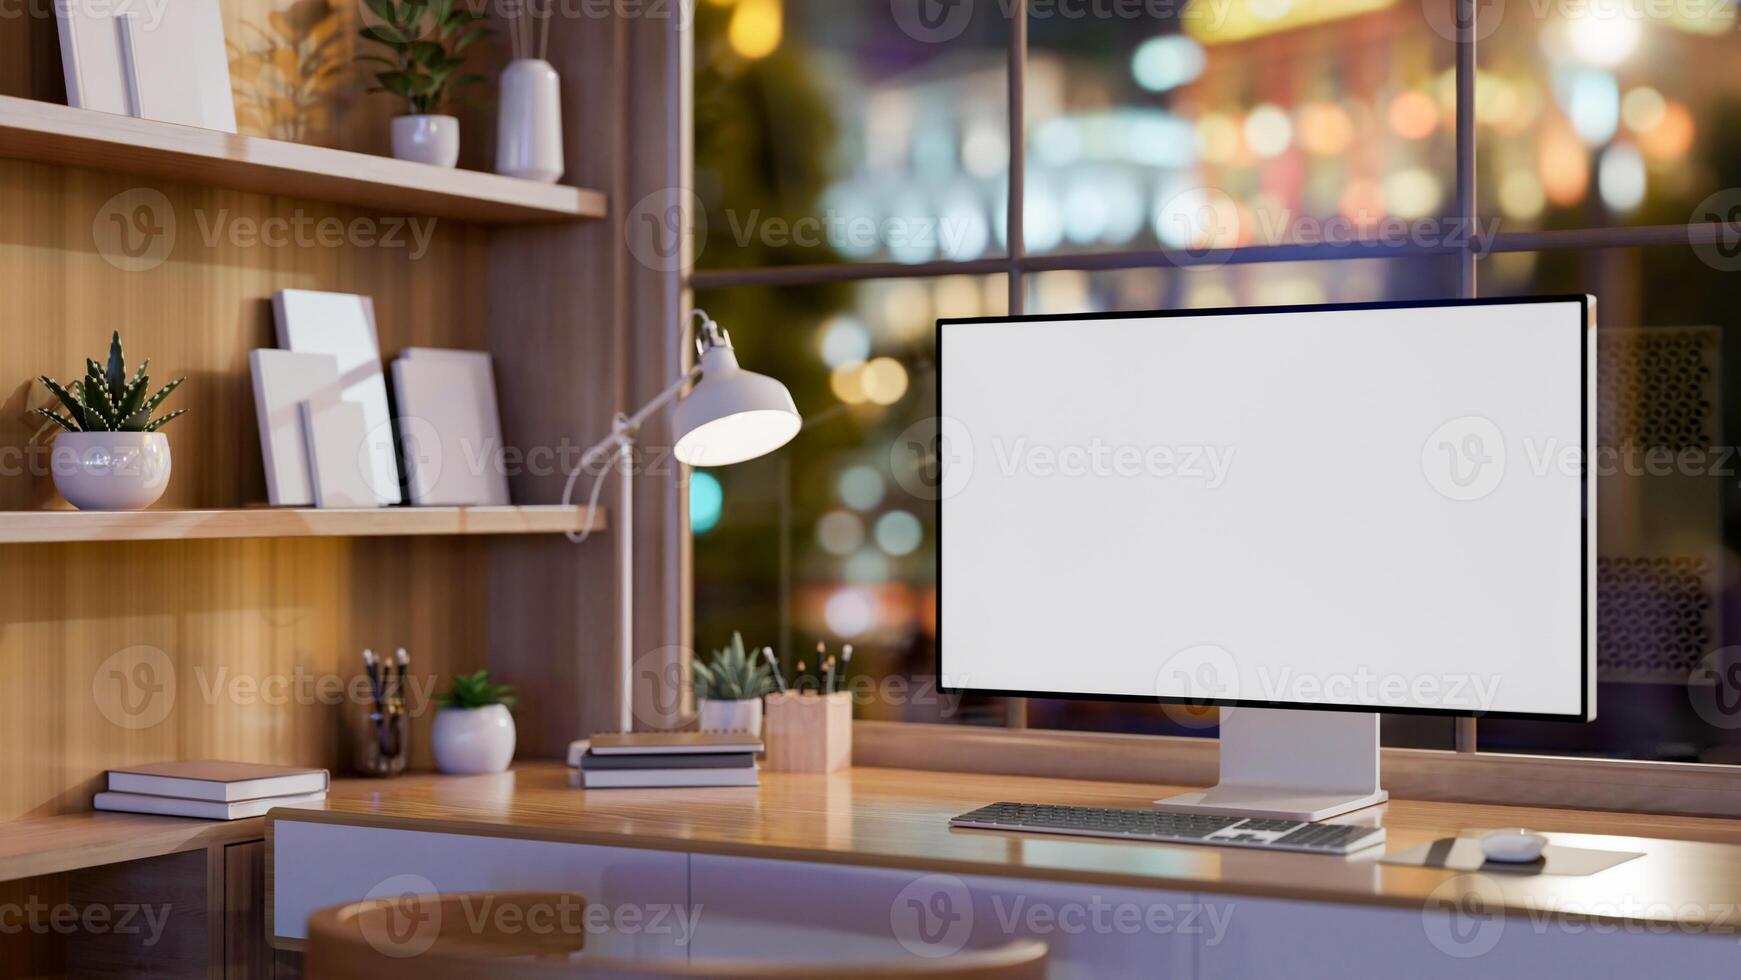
{"points": [[899, 533], [839, 532], [861, 487], [706, 501]]}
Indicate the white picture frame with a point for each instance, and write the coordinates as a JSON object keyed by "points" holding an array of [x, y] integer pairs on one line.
{"points": [[343, 325], [283, 381], [450, 427], [151, 59]]}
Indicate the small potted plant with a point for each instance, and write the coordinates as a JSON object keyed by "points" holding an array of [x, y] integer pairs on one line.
{"points": [[110, 455], [730, 689], [473, 730], [425, 39]]}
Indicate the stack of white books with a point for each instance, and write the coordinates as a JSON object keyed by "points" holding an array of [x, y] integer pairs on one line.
{"points": [[659, 759], [210, 790]]}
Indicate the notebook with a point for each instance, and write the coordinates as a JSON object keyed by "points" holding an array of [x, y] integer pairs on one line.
{"points": [[170, 806], [223, 782], [703, 760], [654, 743], [665, 778]]}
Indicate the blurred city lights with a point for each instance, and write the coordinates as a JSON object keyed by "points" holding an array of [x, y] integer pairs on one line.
{"points": [[849, 612], [1267, 130], [861, 487], [883, 381], [706, 501], [844, 339], [839, 532], [1413, 114], [1604, 33], [755, 28], [898, 533], [1166, 62], [1620, 177]]}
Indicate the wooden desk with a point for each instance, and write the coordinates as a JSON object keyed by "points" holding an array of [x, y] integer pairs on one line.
{"points": [[1689, 879]]}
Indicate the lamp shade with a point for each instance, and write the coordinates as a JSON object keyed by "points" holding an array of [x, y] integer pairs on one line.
{"points": [[731, 415]]}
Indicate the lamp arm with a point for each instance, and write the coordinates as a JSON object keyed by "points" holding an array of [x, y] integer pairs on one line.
{"points": [[624, 431]]}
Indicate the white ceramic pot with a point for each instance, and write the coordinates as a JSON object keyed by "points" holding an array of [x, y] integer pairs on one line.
{"points": [[110, 470], [426, 139], [529, 124], [732, 716], [471, 740]]}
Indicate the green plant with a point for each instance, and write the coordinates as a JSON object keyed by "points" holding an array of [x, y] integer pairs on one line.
{"points": [[475, 691], [106, 401], [426, 38], [734, 675]]}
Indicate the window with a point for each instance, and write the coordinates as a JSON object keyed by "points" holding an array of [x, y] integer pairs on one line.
{"points": [[855, 167]]}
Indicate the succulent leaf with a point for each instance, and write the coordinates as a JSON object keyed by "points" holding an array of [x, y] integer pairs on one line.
{"points": [[734, 675], [160, 423], [57, 418], [117, 373]]}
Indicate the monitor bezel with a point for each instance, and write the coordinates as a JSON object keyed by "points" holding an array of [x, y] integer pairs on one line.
{"points": [[1586, 689]]}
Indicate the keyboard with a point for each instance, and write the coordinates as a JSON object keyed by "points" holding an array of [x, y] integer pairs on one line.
{"points": [[1172, 828]]}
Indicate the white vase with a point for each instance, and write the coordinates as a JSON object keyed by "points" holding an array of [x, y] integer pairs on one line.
{"points": [[110, 470], [732, 716], [472, 740], [529, 125], [426, 139]]}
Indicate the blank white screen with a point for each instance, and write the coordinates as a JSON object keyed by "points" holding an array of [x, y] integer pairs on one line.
{"points": [[1270, 507]]}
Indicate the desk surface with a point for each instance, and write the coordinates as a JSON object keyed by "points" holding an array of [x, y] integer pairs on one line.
{"points": [[1689, 878]]}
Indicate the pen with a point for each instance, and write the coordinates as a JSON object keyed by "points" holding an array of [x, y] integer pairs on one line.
{"points": [[779, 682], [828, 671]]}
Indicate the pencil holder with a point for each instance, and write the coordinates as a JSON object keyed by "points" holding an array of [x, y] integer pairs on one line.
{"points": [[808, 732]]}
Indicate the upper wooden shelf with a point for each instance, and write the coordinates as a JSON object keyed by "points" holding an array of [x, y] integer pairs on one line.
{"points": [[50, 133], [37, 526]]}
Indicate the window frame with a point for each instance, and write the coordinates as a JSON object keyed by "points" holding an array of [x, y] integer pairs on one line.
{"points": [[1662, 787]]}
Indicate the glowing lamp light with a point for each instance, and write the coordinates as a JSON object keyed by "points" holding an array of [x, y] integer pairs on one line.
{"points": [[1620, 178], [1604, 34], [1564, 168], [1268, 131]]}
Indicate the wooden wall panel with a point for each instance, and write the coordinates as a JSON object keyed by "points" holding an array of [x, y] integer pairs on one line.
{"points": [[131, 653], [222, 613]]}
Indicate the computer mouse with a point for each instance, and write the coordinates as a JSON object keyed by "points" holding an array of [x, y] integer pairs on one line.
{"points": [[1513, 845]]}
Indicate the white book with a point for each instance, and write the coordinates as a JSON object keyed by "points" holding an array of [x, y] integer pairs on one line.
{"points": [[651, 778], [216, 781], [170, 806]]}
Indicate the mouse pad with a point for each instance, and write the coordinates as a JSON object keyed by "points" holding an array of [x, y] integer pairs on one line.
{"points": [[1464, 854]]}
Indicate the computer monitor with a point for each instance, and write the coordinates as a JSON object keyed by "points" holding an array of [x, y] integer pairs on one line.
{"points": [[1331, 510]]}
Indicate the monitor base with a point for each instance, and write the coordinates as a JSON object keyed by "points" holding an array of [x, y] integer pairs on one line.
{"points": [[1267, 802], [1284, 764]]}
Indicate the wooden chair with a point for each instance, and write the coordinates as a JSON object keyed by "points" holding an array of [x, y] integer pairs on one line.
{"points": [[532, 936]]}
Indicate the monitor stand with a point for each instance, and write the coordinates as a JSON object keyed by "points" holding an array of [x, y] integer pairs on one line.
{"points": [[1290, 765]]}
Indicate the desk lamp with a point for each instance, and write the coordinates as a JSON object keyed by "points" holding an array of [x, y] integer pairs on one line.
{"points": [[728, 415]]}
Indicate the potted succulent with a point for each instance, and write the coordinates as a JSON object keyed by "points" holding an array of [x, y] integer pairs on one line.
{"points": [[730, 689], [425, 39], [473, 730], [110, 455]]}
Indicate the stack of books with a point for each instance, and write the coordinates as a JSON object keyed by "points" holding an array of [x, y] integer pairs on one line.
{"points": [[210, 790], [656, 759]]}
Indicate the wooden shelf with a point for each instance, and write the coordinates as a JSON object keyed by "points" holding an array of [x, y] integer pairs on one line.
{"points": [[38, 526], [49, 845], [50, 133]]}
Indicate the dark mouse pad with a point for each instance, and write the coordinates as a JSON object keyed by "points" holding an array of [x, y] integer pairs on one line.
{"points": [[1464, 854]]}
